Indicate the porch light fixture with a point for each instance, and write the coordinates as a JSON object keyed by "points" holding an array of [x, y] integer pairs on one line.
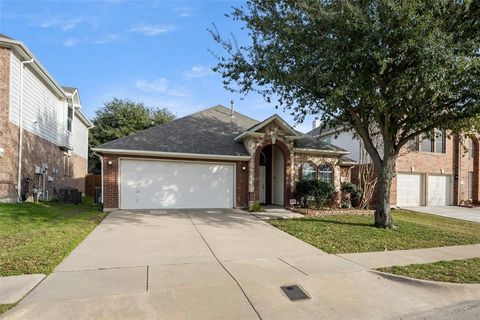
{"points": [[2, 152], [109, 163], [273, 136]]}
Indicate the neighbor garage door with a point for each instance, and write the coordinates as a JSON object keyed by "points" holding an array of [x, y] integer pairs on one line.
{"points": [[439, 190], [153, 184], [409, 189]]}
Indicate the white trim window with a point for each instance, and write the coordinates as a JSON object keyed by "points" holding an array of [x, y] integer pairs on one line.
{"points": [[69, 115], [309, 171], [325, 173]]}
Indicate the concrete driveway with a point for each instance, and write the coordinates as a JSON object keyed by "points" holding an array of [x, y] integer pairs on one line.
{"points": [[462, 213], [217, 264]]}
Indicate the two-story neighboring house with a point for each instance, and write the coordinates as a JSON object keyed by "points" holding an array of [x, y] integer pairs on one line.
{"points": [[43, 133], [442, 171]]}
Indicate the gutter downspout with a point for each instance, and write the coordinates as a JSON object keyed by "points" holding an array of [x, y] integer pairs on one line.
{"points": [[459, 169], [20, 137]]}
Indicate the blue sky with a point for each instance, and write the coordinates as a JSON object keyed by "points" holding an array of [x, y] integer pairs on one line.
{"points": [[151, 51]]}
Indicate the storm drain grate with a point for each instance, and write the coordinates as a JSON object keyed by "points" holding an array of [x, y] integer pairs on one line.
{"points": [[294, 292]]}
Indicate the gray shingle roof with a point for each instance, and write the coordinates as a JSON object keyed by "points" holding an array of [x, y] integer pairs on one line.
{"points": [[309, 142], [344, 160], [319, 130], [211, 131]]}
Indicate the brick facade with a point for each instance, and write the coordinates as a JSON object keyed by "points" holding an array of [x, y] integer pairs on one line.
{"points": [[8, 134], [448, 163], [65, 169], [287, 188]]}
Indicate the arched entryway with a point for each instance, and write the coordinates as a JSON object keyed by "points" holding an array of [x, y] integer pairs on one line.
{"points": [[272, 174]]}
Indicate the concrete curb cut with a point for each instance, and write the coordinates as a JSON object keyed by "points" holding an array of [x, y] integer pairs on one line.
{"points": [[424, 283]]}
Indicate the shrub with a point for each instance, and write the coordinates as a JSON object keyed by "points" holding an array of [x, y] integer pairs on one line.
{"points": [[354, 191], [256, 207], [319, 191]]}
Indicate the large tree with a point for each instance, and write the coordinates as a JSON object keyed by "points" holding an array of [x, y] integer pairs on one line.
{"points": [[387, 69], [119, 118]]}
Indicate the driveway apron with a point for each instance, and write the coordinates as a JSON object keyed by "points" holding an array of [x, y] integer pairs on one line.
{"points": [[216, 264]]}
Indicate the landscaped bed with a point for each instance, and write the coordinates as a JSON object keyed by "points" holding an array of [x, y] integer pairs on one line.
{"points": [[35, 237], [349, 233], [457, 271]]}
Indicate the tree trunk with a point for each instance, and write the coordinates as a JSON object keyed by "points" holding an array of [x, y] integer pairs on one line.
{"points": [[386, 172]]}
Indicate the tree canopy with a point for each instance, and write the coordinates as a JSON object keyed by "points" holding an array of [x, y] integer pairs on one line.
{"points": [[384, 68], [122, 117]]}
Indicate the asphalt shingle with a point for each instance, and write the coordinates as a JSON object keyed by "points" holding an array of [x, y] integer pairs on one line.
{"points": [[211, 131]]}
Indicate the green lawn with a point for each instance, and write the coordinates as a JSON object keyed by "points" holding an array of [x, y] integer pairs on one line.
{"points": [[6, 307], [34, 238], [355, 233], [458, 271]]}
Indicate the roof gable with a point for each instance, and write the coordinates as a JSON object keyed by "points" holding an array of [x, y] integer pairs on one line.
{"points": [[257, 128]]}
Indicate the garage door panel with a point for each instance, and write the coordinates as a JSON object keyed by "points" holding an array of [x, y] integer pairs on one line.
{"points": [[439, 190], [409, 189], [165, 184]]}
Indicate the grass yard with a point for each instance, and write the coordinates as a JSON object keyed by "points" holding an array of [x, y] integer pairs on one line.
{"points": [[458, 271], [35, 237], [355, 233], [6, 307]]}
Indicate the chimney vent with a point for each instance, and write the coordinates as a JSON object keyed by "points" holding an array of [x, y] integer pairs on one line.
{"points": [[231, 108], [316, 123]]}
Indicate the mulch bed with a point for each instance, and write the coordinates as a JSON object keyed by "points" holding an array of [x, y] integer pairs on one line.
{"points": [[331, 211]]}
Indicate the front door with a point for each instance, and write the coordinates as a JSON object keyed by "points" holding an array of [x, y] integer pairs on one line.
{"points": [[262, 176]]}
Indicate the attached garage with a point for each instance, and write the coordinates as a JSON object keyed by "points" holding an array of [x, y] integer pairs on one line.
{"points": [[409, 189], [439, 190], [159, 184]]}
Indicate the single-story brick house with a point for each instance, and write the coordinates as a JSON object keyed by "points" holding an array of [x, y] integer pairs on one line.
{"points": [[215, 158]]}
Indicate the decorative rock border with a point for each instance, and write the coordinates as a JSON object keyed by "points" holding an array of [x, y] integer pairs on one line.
{"points": [[331, 212]]}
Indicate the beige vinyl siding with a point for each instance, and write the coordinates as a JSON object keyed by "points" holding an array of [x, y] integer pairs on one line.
{"points": [[43, 111], [80, 137]]}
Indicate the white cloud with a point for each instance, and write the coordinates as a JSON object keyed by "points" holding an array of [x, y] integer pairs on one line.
{"points": [[158, 85], [198, 72], [71, 42], [107, 39], [179, 92], [153, 30], [61, 23], [184, 12]]}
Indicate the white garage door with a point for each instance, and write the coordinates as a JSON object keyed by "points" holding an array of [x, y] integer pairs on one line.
{"points": [[148, 184], [409, 189], [439, 190]]}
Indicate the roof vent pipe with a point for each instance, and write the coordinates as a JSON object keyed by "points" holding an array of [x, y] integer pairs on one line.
{"points": [[231, 108]]}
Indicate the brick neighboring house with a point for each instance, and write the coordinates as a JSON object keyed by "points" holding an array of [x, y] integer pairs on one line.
{"points": [[55, 132], [215, 158], [444, 171]]}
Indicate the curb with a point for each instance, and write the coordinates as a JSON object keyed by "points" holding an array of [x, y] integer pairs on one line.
{"points": [[423, 283]]}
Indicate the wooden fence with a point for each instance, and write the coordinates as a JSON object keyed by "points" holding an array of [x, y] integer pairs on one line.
{"points": [[92, 181]]}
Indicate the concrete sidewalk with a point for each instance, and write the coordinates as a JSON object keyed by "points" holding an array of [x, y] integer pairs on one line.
{"points": [[14, 288], [416, 256], [455, 212], [217, 264], [277, 212]]}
